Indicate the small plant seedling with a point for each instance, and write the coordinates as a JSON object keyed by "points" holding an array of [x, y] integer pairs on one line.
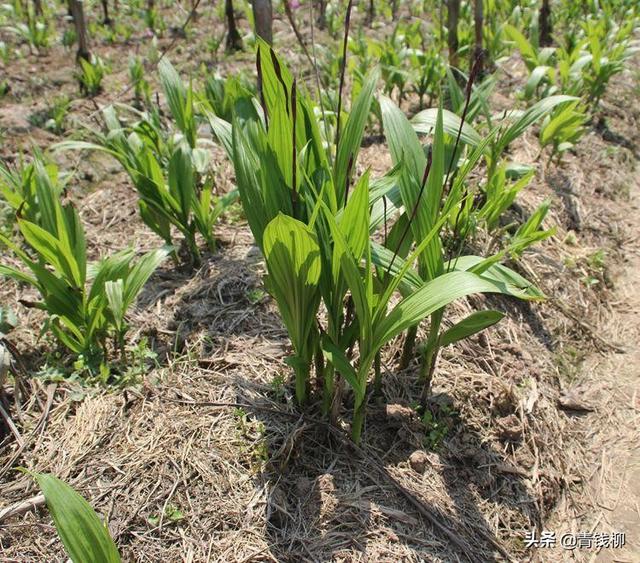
{"points": [[256, 294], [171, 514]]}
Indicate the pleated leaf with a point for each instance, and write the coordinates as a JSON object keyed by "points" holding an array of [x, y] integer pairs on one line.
{"points": [[469, 326], [85, 538], [292, 255]]}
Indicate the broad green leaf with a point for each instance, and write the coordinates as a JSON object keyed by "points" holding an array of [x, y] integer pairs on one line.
{"points": [[528, 118], [179, 99], [522, 43], [429, 298], [293, 262], [403, 141], [114, 291], [182, 181], [351, 138], [84, 536], [472, 324], [500, 273], [141, 272], [535, 79], [354, 221], [425, 121], [340, 362], [52, 251]]}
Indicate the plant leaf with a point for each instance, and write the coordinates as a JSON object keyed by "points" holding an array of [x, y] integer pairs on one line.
{"points": [[83, 535], [472, 324]]}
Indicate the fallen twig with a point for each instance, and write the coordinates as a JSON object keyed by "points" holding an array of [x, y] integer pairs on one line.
{"points": [[51, 390], [21, 507]]}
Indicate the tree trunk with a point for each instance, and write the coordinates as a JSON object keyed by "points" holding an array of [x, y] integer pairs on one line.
{"points": [[234, 41], [77, 9], [371, 13], [263, 17], [37, 7], [545, 24], [453, 11], [105, 12], [478, 51], [321, 20]]}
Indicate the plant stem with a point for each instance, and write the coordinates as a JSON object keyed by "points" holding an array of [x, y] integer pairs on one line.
{"points": [[430, 352], [409, 347], [319, 364], [343, 68], [328, 388], [336, 401], [358, 419], [302, 380], [377, 378]]}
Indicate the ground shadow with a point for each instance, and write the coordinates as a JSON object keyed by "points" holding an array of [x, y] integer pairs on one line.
{"points": [[602, 128], [221, 298], [326, 503], [525, 310], [562, 185], [473, 470]]}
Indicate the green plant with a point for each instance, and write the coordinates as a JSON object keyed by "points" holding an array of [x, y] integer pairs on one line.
{"points": [[170, 170], [23, 187], [86, 303], [141, 88], [4, 53], [84, 536], [171, 514], [391, 53], [539, 61], [499, 195], [608, 51], [180, 100], [90, 76], [427, 71], [425, 222], [220, 93], [54, 116], [35, 32], [436, 426], [314, 229], [563, 128], [69, 38], [174, 192]]}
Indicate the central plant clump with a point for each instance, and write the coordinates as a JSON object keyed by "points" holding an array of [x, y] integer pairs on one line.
{"points": [[316, 224]]}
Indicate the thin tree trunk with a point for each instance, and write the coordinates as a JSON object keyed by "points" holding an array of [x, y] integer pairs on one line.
{"points": [[545, 23], [263, 17], [453, 12], [77, 9], [37, 7], [234, 41], [371, 13], [105, 11], [478, 51], [321, 20]]}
